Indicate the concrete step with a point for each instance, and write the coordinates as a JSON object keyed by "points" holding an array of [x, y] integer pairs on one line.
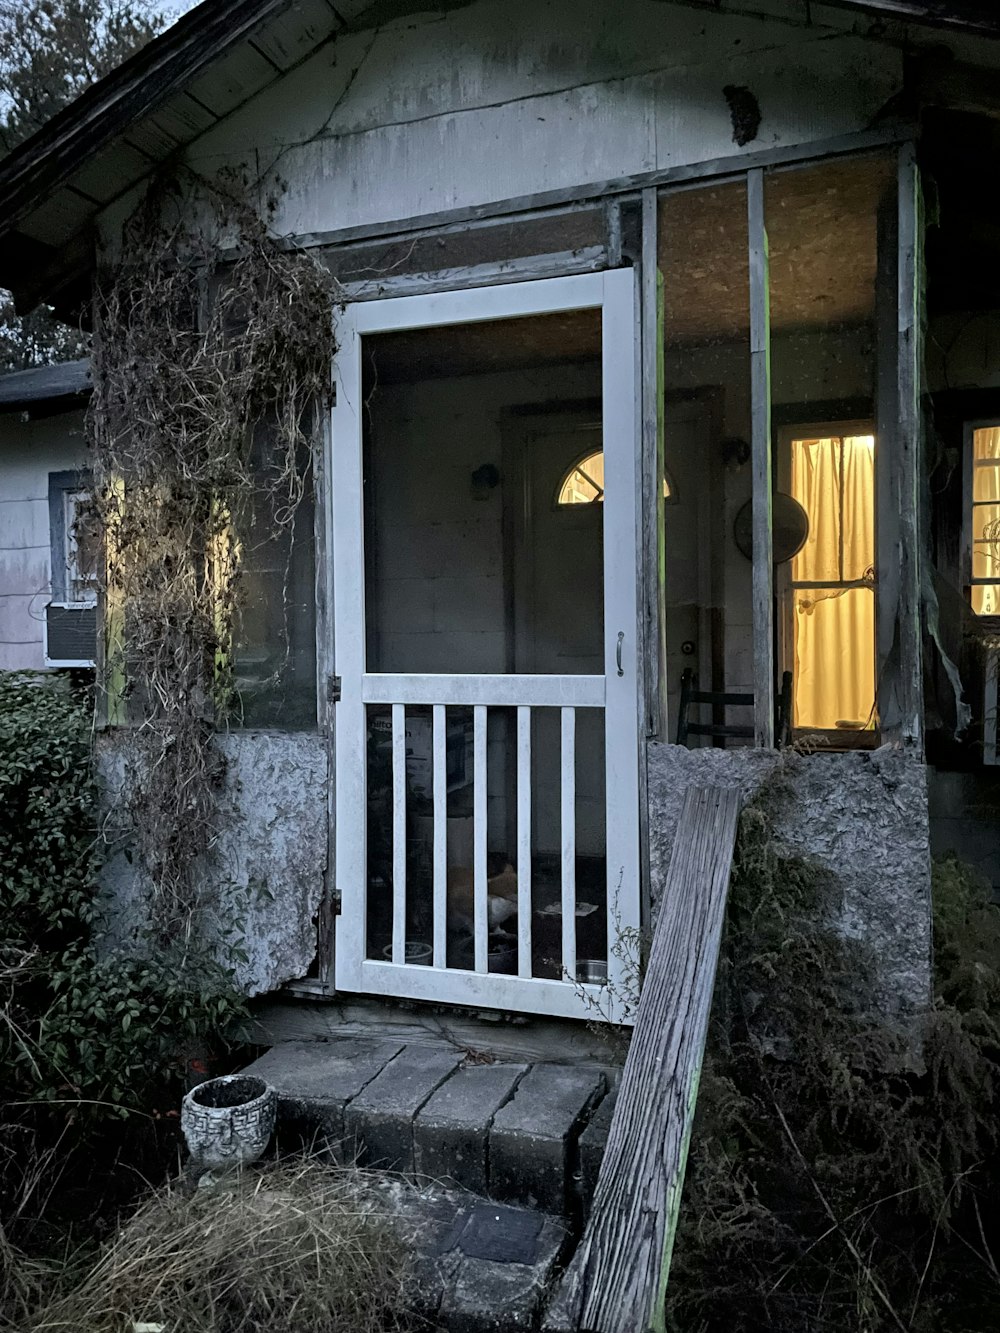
{"points": [[507, 1130], [479, 1266]]}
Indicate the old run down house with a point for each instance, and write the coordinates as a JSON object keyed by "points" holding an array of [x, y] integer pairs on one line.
{"points": [[664, 448]]}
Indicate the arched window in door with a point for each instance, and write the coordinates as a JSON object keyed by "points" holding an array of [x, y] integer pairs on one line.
{"points": [[583, 484]]}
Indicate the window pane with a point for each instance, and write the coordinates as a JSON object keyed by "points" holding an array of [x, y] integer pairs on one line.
{"points": [[834, 637], [703, 255], [986, 442], [274, 635], [470, 565], [816, 486], [986, 599], [986, 482], [833, 479], [986, 541], [858, 505], [585, 484]]}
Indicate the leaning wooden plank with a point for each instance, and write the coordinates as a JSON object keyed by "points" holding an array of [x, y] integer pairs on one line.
{"points": [[616, 1282]]}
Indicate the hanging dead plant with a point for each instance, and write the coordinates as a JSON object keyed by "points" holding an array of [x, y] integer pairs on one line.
{"points": [[212, 362]]}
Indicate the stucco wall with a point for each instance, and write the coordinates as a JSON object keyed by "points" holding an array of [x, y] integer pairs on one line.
{"points": [[862, 816], [264, 881]]}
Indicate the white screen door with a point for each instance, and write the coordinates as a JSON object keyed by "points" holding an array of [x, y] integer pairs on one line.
{"points": [[486, 795]]}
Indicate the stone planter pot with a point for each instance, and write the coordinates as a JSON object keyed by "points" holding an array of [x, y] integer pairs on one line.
{"points": [[228, 1121]]}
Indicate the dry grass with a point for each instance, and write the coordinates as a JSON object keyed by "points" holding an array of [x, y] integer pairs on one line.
{"points": [[296, 1248], [21, 1284]]}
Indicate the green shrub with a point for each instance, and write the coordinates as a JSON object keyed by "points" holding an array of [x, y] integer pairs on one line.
{"points": [[47, 815], [76, 1027]]}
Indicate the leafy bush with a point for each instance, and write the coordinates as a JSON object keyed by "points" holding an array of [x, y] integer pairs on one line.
{"points": [[47, 815], [75, 1026], [842, 1175]]}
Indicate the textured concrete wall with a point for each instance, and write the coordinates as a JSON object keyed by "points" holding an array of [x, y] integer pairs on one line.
{"points": [[264, 881], [862, 816]]}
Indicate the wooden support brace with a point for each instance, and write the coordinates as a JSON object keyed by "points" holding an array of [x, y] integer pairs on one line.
{"points": [[617, 1280], [760, 463], [897, 465], [908, 458], [651, 474]]}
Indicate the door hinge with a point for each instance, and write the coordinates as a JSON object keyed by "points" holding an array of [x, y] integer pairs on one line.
{"points": [[333, 689]]}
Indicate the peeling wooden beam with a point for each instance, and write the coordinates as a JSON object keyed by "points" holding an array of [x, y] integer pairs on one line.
{"points": [[616, 1282], [974, 16], [651, 493], [909, 448], [760, 465]]}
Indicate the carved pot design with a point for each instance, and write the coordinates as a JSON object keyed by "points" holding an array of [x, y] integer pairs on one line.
{"points": [[228, 1121]]}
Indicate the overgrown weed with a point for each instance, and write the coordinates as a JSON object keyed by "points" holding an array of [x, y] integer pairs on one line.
{"points": [[842, 1172], [292, 1247]]}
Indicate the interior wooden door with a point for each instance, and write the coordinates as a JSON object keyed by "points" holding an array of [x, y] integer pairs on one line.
{"points": [[435, 904]]}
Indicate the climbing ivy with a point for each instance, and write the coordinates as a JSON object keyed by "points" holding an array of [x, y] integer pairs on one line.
{"points": [[212, 361]]}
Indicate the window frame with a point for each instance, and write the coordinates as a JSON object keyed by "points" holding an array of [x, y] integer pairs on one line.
{"points": [[63, 489], [968, 509]]}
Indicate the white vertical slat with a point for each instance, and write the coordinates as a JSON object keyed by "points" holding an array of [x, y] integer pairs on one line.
{"points": [[480, 915], [568, 767], [440, 840], [524, 842], [398, 833]]}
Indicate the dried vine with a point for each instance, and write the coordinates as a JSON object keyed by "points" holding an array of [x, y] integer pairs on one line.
{"points": [[210, 368]]}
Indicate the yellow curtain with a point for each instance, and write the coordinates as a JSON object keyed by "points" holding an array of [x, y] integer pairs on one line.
{"points": [[833, 626]]}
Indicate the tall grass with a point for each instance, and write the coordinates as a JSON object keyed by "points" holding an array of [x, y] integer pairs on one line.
{"points": [[292, 1248]]}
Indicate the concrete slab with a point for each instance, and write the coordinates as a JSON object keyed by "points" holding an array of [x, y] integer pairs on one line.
{"points": [[593, 1141], [489, 1295], [478, 1267], [315, 1080], [380, 1118], [533, 1143], [451, 1131]]}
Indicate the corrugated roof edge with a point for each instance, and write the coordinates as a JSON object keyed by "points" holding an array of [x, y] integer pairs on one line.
{"points": [[45, 384]]}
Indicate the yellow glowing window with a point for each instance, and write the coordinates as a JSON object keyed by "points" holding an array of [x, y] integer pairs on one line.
{"points": [[832, 583], [584, 483], [984, 513]]}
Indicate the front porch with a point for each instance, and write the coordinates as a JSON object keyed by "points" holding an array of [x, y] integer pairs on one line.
{"points": [[661, 437]]}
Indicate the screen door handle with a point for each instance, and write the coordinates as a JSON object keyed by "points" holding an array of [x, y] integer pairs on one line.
{"points": [[618, 652]]}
